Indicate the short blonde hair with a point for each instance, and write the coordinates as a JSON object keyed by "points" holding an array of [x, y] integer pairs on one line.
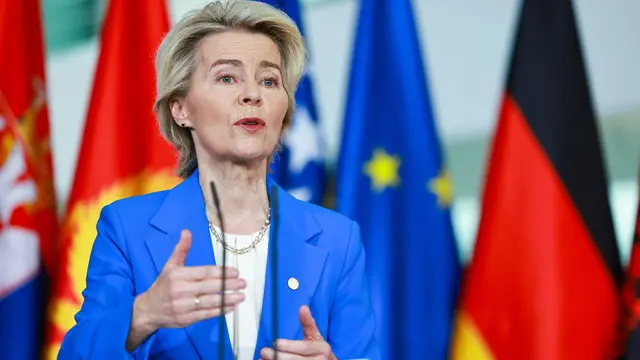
{"points": [[177, 59]]}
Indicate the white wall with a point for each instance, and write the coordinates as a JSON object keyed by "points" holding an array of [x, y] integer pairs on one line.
{"points": [[466, 45]]}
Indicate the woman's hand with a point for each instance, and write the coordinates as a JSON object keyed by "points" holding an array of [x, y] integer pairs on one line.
{"points": [[312, 346], [181, 295]]}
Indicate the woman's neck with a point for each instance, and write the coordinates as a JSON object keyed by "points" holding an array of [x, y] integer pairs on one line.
{"points": [[242, 192]]}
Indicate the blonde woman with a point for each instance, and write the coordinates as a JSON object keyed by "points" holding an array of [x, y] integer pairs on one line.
{"points": [[227, 74]]}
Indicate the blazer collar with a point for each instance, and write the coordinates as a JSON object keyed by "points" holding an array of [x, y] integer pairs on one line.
{"points": [[295, 258], [298, 262]]}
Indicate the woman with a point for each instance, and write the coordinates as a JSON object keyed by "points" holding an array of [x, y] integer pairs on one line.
{"points": [[226, 80]]}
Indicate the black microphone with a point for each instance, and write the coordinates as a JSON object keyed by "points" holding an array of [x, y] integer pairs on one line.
{"points": [[216, 203], [274, 261]]}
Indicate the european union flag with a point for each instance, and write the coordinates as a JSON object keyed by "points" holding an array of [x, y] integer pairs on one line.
{"points": [[392, 181], [299, 166]]}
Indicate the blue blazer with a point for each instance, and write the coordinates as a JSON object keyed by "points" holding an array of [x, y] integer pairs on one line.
{"points": [[136, 235]]}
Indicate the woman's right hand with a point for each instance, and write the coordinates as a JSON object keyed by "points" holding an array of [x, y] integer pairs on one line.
{"points": [[182, 295]]}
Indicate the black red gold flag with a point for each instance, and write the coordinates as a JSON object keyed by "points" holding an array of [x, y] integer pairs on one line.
{"points": [[544, 281]]}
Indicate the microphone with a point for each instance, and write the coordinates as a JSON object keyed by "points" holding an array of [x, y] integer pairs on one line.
{"points": [[274, 261], [274, 251], [216, 203]]}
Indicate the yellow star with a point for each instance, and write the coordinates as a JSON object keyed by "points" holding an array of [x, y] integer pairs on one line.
{"points": [[383, 170], [442, 187]]}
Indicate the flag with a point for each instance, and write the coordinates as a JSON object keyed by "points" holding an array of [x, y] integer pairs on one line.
{"points": [[631, 296], [122, 152], [28, 218], [393, 181], [21, 284], [544, 279], [299, 165]]}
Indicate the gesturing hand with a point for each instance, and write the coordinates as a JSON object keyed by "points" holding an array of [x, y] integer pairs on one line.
{"points": [[182, 295], [312, 346]]}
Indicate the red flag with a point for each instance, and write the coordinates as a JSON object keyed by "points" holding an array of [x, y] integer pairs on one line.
{"points": [[122, 152], [631, 296], [545, 275], [28, 218]]}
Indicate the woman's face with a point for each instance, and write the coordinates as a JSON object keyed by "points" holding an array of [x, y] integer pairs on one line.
{"points": [[237, 101]]}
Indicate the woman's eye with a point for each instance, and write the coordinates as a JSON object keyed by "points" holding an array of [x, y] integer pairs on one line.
{"points": [[270, 82], [226, 79]]}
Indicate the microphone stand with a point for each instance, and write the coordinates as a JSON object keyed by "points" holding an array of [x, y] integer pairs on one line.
{"points": [[274, 277], [216, 203], [274, 261]]}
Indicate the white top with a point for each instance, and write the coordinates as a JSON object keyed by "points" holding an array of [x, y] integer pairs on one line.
{"points": [[252, 267]]}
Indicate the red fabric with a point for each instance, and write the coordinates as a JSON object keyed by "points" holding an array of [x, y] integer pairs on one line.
{"points": [[121, 135], [121, 146], [22, 83], [537, 287], [630, 328]]}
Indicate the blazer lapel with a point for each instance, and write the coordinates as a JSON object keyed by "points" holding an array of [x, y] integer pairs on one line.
{"points": [[183, 208], [297, 270]]}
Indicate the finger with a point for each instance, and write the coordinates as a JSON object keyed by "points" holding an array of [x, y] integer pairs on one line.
{"points": [[215, 285], [206, 302], [309, 327], [269, 354], [181, 249], [211, 286], [215, 301], [187, 319], [303, 347], [194, 273]]}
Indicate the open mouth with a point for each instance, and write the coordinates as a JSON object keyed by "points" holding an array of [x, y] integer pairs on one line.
{"points": [[250, 122]]}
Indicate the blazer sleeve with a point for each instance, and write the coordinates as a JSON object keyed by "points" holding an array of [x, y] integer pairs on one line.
{"points": [[102, 324], [352, 322]]}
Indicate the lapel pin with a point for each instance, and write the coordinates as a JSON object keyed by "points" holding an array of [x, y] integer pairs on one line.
{"points": [[293, 283]]}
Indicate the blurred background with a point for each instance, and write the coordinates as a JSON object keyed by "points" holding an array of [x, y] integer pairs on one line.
{"points": [[466, 47]]}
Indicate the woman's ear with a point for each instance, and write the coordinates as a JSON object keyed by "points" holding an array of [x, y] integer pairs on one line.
{"points": [[179, 113]]}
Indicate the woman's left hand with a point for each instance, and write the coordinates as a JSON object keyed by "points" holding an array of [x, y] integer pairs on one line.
{"points": [[312, 346]]}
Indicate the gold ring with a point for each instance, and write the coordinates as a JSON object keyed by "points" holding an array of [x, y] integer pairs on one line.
{"points": [[197, 300]]}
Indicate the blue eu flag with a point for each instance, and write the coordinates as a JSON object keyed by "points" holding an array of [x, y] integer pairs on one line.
{"points": [[392, 181], [299, 166]]}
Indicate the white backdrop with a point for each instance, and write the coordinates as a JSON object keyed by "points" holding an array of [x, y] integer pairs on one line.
{"points": [[465, 45]]}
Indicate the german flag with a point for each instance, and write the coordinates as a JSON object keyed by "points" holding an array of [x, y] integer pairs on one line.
{"points": [[545, 277], [122, 152], [631, 296]]}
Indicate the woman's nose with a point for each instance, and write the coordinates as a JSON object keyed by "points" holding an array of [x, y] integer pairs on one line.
{"points": [[251, 95], [251, 100]]}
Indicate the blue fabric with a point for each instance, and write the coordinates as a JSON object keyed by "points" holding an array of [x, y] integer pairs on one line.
{"points": [[392, 181], [22, 320], [136, 236], [299, 166]]}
